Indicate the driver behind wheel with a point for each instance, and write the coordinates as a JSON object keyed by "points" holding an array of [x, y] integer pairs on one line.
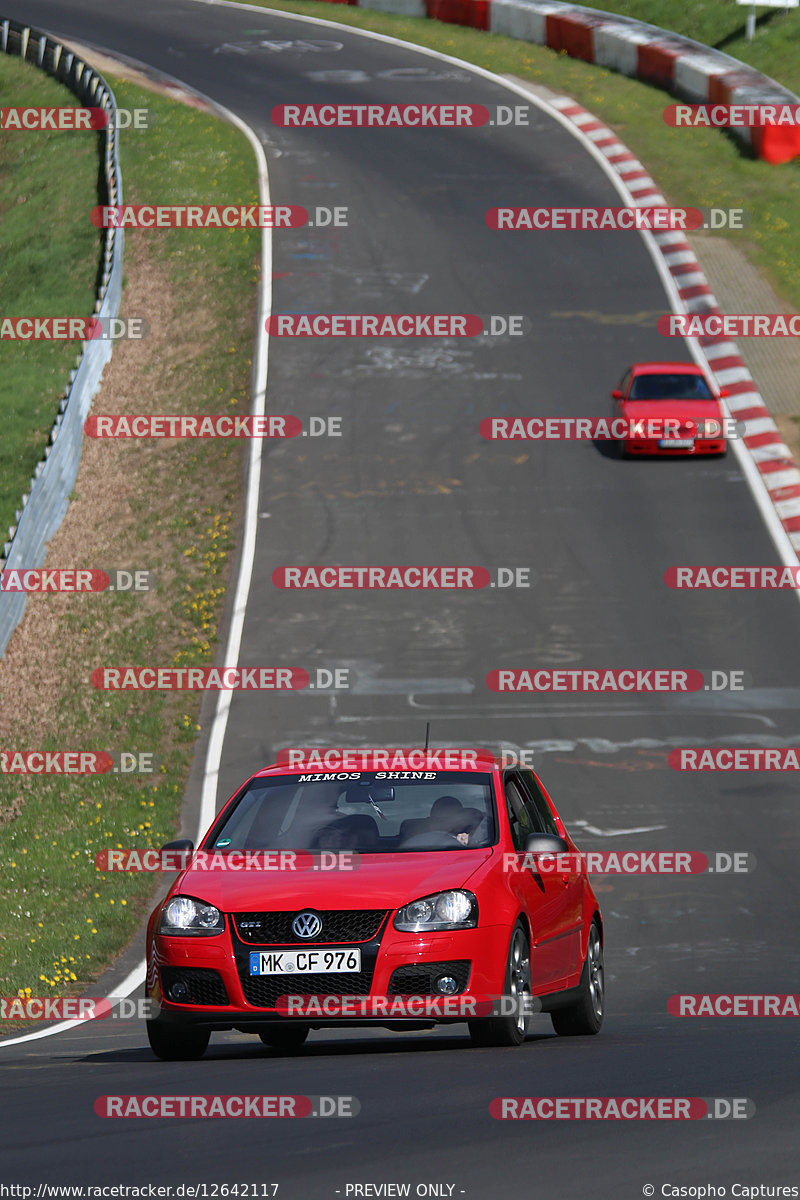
{"points": [[448, 815]]}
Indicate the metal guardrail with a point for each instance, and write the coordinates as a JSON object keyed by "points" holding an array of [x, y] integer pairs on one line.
{"points": [[43, 507]]}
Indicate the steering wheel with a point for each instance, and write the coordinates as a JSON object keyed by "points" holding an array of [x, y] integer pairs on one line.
{"points": [[433, 839]]}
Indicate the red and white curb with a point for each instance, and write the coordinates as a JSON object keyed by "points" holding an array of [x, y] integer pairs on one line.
{"points": [[683, 67], [666, 60], [770, 454]]}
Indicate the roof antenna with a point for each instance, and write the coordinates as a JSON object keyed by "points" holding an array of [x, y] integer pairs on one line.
{"points": [[427, 733]]}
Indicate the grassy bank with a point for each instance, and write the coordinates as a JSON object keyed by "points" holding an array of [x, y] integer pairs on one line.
{"points": [[171, 507]]}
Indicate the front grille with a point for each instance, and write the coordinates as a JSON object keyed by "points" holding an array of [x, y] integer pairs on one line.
{"points": [[205, 986], [417, 979], [338, 925], [263, 990]]}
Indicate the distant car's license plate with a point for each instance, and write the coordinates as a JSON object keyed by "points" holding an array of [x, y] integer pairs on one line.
{"points": [[676, 443], [303, 962]]}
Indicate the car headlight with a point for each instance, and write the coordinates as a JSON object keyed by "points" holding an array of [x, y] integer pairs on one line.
{"points": [[444, 910], [183, 915]]}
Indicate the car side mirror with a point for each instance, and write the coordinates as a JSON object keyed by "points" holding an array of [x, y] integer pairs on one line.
{"points": [[546, 843], [724, 392], [180, 844], [616, 394]]}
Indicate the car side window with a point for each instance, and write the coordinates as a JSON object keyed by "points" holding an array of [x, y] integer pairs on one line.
{"points": [[535, 797], [522, 816], [624, 382]]}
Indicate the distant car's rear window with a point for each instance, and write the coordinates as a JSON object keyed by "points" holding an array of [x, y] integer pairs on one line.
{"points": [[670, 387], [368, 811]]}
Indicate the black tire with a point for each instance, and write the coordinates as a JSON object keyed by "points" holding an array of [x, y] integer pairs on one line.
{"points": [[509, 1030], [289, 1038], [174, 1044], [585, 1016]]}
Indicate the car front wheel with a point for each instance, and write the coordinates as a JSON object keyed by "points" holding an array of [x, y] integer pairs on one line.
{"points": [[174, 1044], [585, 1016], [290, 1038], [510, 1030]]}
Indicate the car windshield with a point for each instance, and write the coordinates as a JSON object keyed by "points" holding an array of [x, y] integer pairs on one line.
{"points": [[373, 812], [679, 386]]}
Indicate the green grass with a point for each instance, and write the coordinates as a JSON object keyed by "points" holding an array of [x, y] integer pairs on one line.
{"points": [[61, 921], [693, 167], [50, 252]]}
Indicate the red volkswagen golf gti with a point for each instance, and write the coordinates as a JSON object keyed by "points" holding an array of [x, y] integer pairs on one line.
{"points": [[402, 896]]}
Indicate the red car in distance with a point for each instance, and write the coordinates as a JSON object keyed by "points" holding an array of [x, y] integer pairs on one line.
{"points": [[465, 884], [677, 392]]}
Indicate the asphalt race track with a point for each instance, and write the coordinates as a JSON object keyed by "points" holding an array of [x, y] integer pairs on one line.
{"points": [[410, 482]]}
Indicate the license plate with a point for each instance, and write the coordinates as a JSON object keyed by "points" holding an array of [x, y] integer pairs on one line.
{"points": [[676, 443], [304, 962]]}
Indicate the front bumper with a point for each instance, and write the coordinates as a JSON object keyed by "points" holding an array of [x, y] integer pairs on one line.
{"points": [[223, 995]]}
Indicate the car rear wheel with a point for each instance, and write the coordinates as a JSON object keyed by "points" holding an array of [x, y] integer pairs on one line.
{"points": [[585, 1016], [509, 1030], [174, 1044], [289, 1038]]}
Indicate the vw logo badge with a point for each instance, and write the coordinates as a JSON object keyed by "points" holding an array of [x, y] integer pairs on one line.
{"points": [[306, 925]]}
